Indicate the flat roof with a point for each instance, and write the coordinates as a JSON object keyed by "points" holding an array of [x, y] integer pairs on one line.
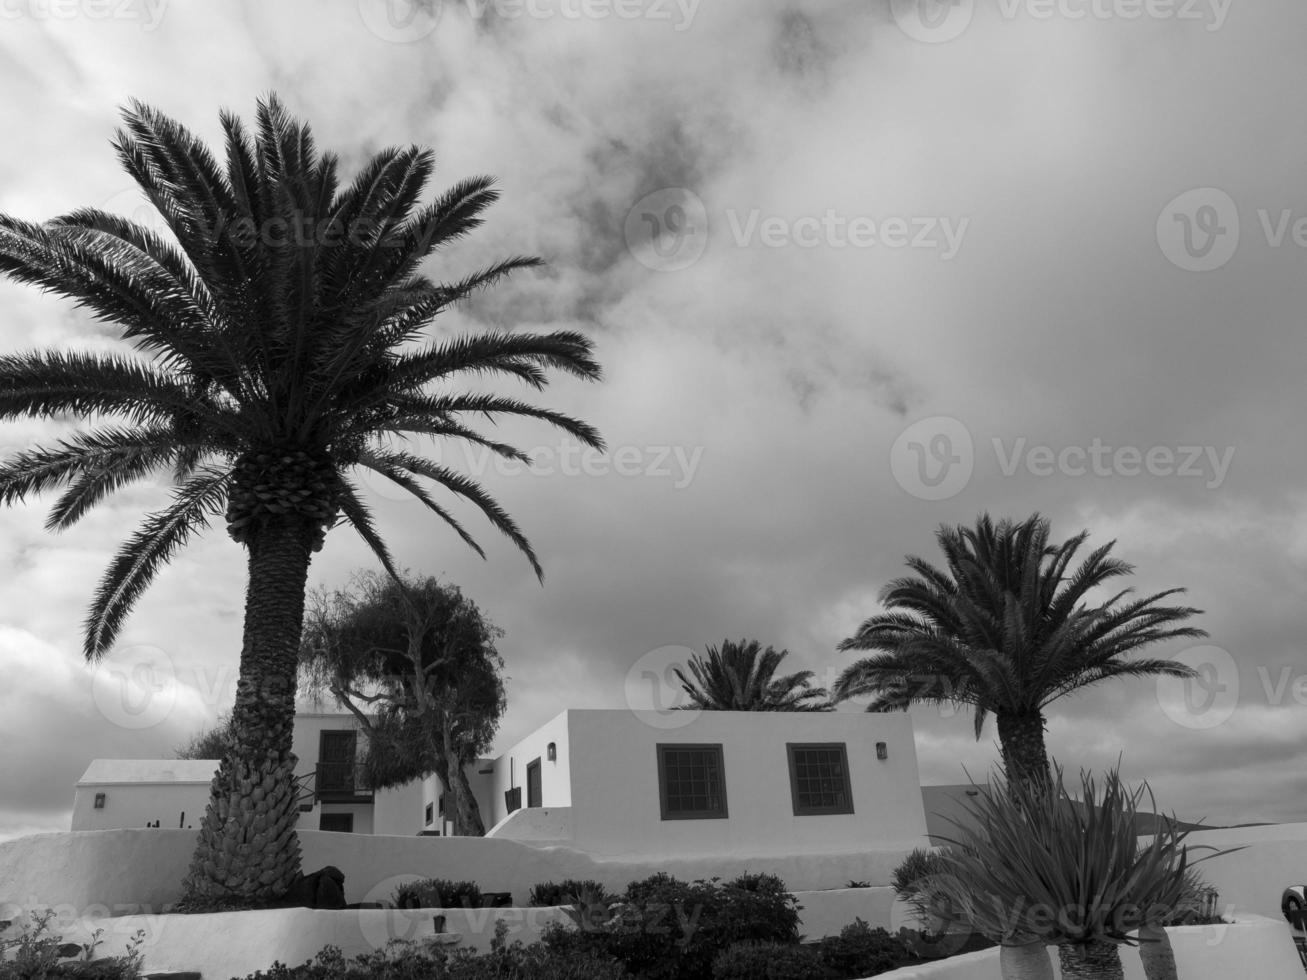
{"points": [[107, 771]]}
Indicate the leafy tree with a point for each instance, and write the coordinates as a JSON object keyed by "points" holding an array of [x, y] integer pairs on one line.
{"points": [[415, 661], [211, 743], [1007, 628], [742, 677], [278, 338]]}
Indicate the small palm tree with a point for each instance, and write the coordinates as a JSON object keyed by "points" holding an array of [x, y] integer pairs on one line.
{"points": [[279, 346], [1006, 628], [741, 677]]}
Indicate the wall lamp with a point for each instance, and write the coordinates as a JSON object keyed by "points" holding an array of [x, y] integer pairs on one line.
{"points": [[882, 751], [551, 752]]}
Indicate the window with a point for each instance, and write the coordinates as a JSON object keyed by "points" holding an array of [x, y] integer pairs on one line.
{"points": [[340, 822], [431, 813], [819, 778], [691, 782]]}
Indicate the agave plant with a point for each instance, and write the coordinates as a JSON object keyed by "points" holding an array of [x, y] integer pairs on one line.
{"points": [[1042, 868]]}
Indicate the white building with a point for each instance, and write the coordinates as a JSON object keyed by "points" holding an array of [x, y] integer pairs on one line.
{"points": [[605, 782]]}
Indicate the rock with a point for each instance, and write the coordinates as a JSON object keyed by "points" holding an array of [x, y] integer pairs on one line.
{"points": [[322, 889]]}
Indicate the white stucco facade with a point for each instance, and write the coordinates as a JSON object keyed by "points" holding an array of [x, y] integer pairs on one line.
{"points": [[600, 788]]}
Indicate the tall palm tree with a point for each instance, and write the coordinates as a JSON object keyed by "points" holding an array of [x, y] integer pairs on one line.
{"points": [[1007, 628], [278, 347], [741, 677]]}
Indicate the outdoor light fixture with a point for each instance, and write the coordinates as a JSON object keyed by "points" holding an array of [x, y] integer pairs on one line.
{"points": [[551, 752], [882, 752], [99, 801]]}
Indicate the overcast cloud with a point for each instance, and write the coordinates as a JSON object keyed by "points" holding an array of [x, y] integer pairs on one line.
{"points": [[906, 270]]}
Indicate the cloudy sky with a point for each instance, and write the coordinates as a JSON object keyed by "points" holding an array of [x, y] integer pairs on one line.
{"points": [[854, 269]]}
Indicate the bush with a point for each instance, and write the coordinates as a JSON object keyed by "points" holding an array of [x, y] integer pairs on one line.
{"points": [[35, 953], [770, 961], [438, 893], [667, 929], [407, 961], [861, 951], [569, 892]]}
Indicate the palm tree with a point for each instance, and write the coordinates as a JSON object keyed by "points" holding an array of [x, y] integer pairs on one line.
{"points": [[1007, 628], [741, 677], [278, 347]]}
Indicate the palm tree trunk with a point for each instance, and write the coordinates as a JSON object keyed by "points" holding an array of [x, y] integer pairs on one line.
{"points": [[1022, 739], [1096, 960], [248, 852], [1029, 962], [1156, 953]]}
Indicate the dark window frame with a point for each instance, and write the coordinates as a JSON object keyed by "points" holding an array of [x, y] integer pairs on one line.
{"points": [[818, 811], [663, 748], [430, 814], [332, 817], [800, 810]]}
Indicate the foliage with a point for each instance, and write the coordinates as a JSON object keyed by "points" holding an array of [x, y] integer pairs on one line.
{"points": [[1041, 865], [36, 953], [912, 879], [857, 883], [414, 660], [667, 929], [212, 743], [569, 892], [437, 893], [861, 951], [1198, 902], [771, 961], [410, 961], [740, 676], [1005, 627]]}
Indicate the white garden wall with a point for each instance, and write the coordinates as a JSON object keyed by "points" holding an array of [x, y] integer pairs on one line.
{"points": [[129, 870], [293, 936], [1255, 948]]}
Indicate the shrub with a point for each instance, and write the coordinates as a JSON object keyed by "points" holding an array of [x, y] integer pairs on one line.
{"points": [[667, 929], [35, 953], [770, 961], [408, 961], [861, 951], [438, 893], [569, 892], [921, 863]]}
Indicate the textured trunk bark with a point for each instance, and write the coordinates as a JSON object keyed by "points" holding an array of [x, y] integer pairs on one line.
{"points": [[467, 814], [1030, 962], [248, 851], [1156, 953], [1098, 960], [1025, 759]]}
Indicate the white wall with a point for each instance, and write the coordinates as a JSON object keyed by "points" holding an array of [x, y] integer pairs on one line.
{"points": [[1253, 879], [615, 796], [123, 870], [1256, 948], [136, 804], [555, 777]]}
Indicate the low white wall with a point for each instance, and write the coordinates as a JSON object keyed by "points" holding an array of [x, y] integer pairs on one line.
{"points": [[124, 869], [294, 936], [1253, 879], [1254, 947], [536, 823]]}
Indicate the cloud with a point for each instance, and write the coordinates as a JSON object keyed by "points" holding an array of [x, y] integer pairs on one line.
{"points": [[1057, 320]]}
